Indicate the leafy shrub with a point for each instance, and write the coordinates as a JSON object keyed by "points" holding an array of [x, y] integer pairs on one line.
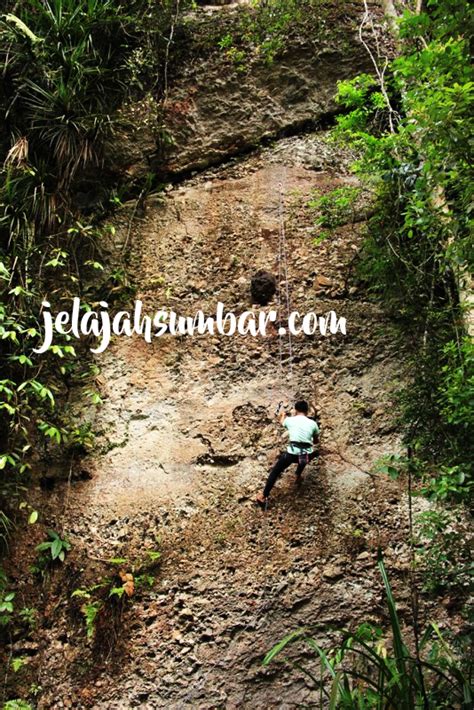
{"points": [[6, 603], [102, 603], [443, 551], [56, 546], [50, 552], [411, 126], [334, 209]]}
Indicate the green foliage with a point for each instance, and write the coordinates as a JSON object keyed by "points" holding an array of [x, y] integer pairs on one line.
{"points": [[443, 551], [28, 616], [6, 607], [266, 27], [52, 550], [56, 545], [450, 482], [334, 209], [90, 611], [392, 465], [145, 580], [118, 561], [102, 603], [81, 438], [93, 604], [412, 130], [7, 597], [17, 704], [61, 91], [362, 672], [55, 81], [456, 395], [5, 527], [441, 535], [18, 663]]}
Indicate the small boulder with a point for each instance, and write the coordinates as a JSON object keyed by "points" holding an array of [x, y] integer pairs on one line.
{"points": [[332, 572], [262, 287]]}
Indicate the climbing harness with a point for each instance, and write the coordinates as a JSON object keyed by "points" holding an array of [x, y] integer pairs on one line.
{"points": [[303, 456]]}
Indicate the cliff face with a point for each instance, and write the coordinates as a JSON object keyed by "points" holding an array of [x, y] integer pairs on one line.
{"points": [[230, 102], [186, 434]]}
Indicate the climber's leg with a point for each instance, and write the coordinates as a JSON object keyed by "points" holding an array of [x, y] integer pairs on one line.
{"points": [[301, 466], [282, 463]]}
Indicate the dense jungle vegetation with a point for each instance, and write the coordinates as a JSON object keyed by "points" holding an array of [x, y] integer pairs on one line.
{"points": [[411, 123], [68, 66]]}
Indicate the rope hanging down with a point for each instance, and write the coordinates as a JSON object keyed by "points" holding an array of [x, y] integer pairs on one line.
{"points": [[283, 273]]}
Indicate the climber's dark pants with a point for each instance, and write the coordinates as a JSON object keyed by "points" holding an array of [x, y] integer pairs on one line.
{"points": [[284, 460]]}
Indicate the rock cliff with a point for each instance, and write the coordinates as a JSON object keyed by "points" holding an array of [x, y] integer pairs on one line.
{"points": [[186, 434]]}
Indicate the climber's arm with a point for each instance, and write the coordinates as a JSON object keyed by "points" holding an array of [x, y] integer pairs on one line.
{"points": [[316, 433], [282, 415]]}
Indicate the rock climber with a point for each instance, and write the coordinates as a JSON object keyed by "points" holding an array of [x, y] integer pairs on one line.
{"points": [[302, 432]]}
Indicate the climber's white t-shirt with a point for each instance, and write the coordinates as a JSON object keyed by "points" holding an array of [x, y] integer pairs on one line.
{"points": [[300, 428]]}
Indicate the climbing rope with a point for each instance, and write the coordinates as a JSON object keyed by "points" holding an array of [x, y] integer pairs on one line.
{"points": [[284, 391], [282, 257], [283, 272], [280, 335]]}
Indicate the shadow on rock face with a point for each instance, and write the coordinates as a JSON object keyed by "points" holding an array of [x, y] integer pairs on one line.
{"points": [[262, 287]]}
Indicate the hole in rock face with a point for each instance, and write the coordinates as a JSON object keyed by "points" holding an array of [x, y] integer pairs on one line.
{"points": [[47, 483], [262, 287]]}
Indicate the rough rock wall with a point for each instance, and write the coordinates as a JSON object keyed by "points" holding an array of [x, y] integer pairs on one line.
{"points": [[186, 434], [216, 108], [186, 437]]}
